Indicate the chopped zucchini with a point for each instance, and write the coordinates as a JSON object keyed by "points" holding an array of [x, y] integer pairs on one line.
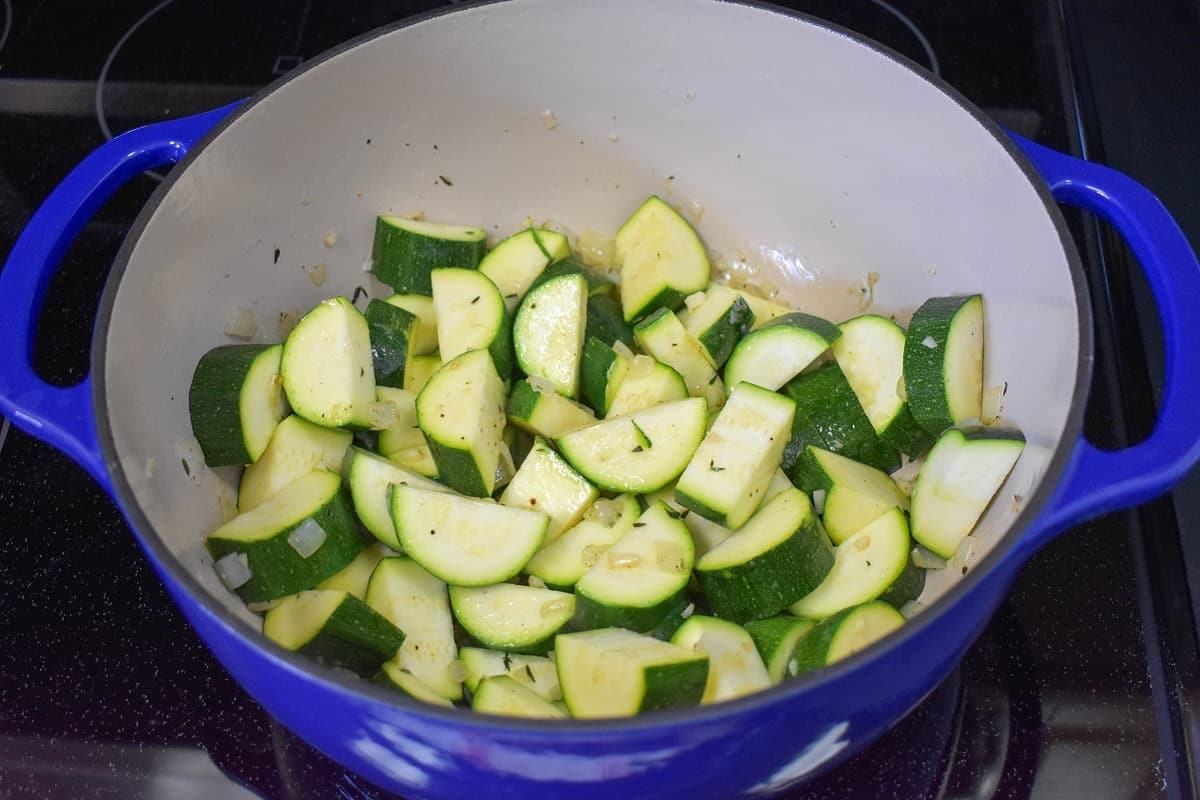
{"points": [[719, 322], [370, 478], [536, 672], [647, 383], [507, 616], [515, 263], [236, 400], [663, 336], [548, 332], [420, 306], [396, 677], [297, 447], [504, 696], [662, 260], [546, 483], [327, 368], [734, 666], [776, 639], [562, 562], [335, 628], [943, 362], [844, 634], [393, 333], [407, 251], [544, 412], [780, 350], [855, 494]]}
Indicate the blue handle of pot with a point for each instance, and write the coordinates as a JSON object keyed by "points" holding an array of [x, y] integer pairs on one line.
{"points": [[1100, 481], [63, 416]]}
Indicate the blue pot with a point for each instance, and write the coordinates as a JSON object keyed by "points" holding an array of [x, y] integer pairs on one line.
{"points": [[791, 131]]}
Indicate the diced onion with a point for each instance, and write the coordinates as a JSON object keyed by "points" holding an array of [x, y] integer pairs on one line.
{"points": [[287, 321], [552, 608], [819, 501], [622, 349], [456, 671], [347, 673], [688, 610], [924, 559], [911, 609], [696, 210], [592, 553], [549, 121], [382, 415], [316, 274], [605, 511], [963, 556], [868, 291], [596, 249], [330, 239], [642, 366], [368, 265], [240, 323], [670, 557], [307, 537], [226, 499], [992, 405], [929, 342], [905, 486], [505, 468], [694, 300], [536, 582], [623, 560], [233, 569], [541, 385]]}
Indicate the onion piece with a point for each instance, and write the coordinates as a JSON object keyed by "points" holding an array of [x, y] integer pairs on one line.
{"points": [[541, 385], [263, 605], [818, 501], [596, 249], [688, 610], [536, 582], [233, 569], [992, 406], [911, 609], [694, 300], [307, 537], [240, 323], [456, 671], [623, 560], [382, 415], [929, 342], [963, 556], [924, 559], [622, 349], [316, 274], [604, 511], [506, 467], [549, 121]]}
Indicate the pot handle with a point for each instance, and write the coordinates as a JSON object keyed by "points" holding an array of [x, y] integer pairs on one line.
{"points": [[1099, 481], [63, 416]]}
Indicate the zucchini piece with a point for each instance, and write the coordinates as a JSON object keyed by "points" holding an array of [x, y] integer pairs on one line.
{"points": [[472, 316], [507, 616], [638, 580], [536, 672], [404, 433], [295, 540], [504, 696], [328, 373], [727, 477], [417, 460], [647, 383], [776, 639], [393, 676], [419, 370], [734, 666], [780, 350], [662, 260], [855, 494], [297, 447], [719, 322], [673, 621], [393, 332], [235, 400], [461, 413], [844, 634], [870, 352], [663, 336], [943, 362], [829, 416], [865, 568], [406, 251], [417, 603], [618, 673], [597, 285], [601, 371], [370, 477], [354, 576], [707, 534], [961, 474], [779, 556], [546, 483], [606, 322], [545, 413], [515, 263], [548, 332], [335, 628], [641, 452], [464, 541], [764, 310], [562, 562], [421, 306]]}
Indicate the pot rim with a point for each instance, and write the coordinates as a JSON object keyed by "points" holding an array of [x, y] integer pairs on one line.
{"points": [[1003, 549]]}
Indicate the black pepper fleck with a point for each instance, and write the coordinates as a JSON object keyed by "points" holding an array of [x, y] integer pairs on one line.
{"points": [[276, 255]]}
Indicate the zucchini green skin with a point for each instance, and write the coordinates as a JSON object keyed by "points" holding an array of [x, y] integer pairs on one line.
{"points": [[355, 637], [606, 322], [597, 285], [674, 685], [393, 333], [591, 614], [925, 368], [813, 650], [907, 587], [674, 619], [215, 402], [599, 374], [543, 415], [770, 582], [405, 260], [277, 570], [829, 416], [721, 337], [776, 639]]}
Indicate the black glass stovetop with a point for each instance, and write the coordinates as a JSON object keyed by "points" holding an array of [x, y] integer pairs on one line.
{"points": [[1081, 687]]}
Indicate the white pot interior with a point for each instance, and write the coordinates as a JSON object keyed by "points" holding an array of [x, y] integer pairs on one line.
{"points": [[814, 158]]}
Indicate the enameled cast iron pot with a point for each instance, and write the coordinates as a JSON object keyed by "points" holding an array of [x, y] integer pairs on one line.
{"points": [[816, 155]]}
